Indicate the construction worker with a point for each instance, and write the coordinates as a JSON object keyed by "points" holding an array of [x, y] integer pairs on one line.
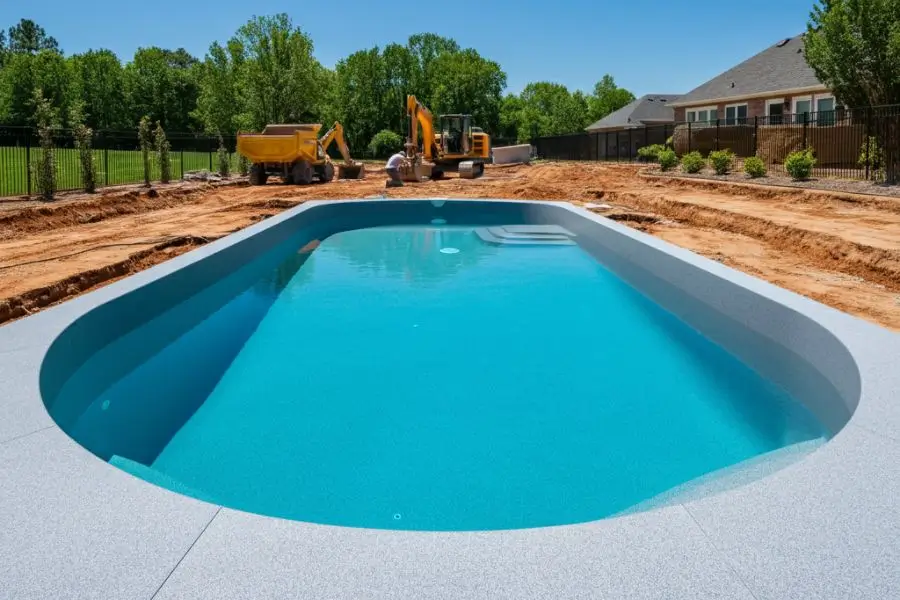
{"points": [[393, 169]]}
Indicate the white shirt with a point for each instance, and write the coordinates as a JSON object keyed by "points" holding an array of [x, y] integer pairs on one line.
{"points": [[394, 161]]}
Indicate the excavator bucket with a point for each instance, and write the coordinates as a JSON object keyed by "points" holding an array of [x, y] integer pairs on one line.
{"points": [[354, 171]]}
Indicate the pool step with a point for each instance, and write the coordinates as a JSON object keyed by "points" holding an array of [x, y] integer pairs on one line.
{"points": [[526, 235]]}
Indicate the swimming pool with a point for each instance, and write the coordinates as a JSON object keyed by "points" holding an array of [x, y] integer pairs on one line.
{"points": [[430, 366]]}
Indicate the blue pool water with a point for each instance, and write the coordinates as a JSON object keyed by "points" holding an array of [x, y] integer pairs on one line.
{"points": [[417, 377]]}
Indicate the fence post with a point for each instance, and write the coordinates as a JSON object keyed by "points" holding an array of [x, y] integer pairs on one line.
{"points": [[755, 135], [181, 152], [105, 158], [717, 135], [28, 160], [805, 125]]}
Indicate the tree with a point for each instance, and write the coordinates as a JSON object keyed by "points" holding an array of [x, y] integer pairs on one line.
{"points": [[607, 98], [464, 82], [550, 109], [30, 38], [3, 48], [425, 49], [510, 117], [160, 84], [22, 75], [83, 144], [46, 119], [98, 81], [854, 48], [361, 85], [217, 102], [279, 80]]}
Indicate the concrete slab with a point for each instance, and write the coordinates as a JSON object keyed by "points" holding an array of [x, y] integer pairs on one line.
{"points": [[73, 527], [21, 409], [511, 154], [663, 554]]}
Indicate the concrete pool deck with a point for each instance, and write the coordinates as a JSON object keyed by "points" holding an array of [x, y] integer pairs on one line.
{"points": [[826, 526]]}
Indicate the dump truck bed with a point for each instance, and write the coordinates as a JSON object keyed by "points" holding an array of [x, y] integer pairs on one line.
{"points": [[281, 144]]}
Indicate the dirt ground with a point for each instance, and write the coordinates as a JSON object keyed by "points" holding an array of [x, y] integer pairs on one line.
{"points": [[840, 249]]}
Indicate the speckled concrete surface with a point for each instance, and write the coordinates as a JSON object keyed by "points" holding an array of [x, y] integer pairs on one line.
{"points": [[826, 526]]}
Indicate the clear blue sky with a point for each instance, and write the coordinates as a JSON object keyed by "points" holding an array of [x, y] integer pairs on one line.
{"points": [[666, 46]]}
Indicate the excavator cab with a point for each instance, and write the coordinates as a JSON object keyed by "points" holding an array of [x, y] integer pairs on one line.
{"points": [[456, 134]]}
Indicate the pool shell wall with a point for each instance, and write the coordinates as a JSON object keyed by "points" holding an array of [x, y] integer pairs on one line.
{"points": [[833, 363]]}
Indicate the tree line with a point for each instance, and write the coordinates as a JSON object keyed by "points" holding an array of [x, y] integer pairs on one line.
{"points": [[267, 72]]}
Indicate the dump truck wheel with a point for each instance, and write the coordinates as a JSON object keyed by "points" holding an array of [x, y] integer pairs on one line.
{"points": [[257, 175], [327, 173], [302, 173]]}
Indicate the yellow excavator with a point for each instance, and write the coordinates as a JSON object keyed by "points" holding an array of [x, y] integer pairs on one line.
{"points": [[296, 154], [456, 146]]}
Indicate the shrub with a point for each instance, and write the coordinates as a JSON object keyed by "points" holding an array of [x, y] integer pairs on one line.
{"points": [[243, 165], [146, 141], [721, 161], [385, 143], [754, 167], [84, 136], [799, 165], [650, 153], [871, 155], [162, 154], [223, 158], [692, 162], [670, 142], [46, 119], [667, 160]]}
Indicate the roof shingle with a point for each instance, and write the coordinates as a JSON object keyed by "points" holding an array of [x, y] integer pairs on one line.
{"points": [[652, 108]]}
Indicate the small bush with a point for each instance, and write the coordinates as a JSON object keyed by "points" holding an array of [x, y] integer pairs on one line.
{"points": [[799, 165], [670, 142], [84, 137], [721, 161], [871, 156], [754, 167], [243, 165], [385, 143], [667, 160], [146, 141], [650, 153], [224, 159], [692, 162], [162, 154], [46, 119]]}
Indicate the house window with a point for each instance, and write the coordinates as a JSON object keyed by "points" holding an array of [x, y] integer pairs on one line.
{"points": [[825, 107], [736, 114], [702, 115], [802, 106], [775, 111]]}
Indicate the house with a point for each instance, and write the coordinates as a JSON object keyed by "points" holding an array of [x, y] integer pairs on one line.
{"points": [[649, 110], [777, 84]]}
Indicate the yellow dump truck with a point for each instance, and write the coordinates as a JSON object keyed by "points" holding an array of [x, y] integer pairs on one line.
{"points": [[296, 154]]}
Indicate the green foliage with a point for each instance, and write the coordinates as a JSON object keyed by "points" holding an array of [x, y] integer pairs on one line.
{"points": [[98, 84], [550, 109], [243, 165], [46, 119], [160, 84], [754, 167], [385, 143], [145, 137], [224, 159], [692, 162], [162, 153], [799, 164], [27, 37], [721, 161], [464, 82], [667, 160], [22, 75], [650, 153], [872, 156], [83, 144], [670, 141], [607, 98]]}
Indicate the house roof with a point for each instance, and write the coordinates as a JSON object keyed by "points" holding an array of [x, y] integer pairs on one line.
{"points": [[779, 68], [653, 108]]}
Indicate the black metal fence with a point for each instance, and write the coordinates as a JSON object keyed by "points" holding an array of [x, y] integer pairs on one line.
{"points": [[117, 157], [848, 143]]}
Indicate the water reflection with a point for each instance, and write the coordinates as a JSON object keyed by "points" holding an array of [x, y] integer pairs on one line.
{"points": [[413, 254]]}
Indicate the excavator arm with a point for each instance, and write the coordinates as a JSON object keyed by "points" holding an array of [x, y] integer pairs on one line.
{"points": [[419, 115], [336, 134]]}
